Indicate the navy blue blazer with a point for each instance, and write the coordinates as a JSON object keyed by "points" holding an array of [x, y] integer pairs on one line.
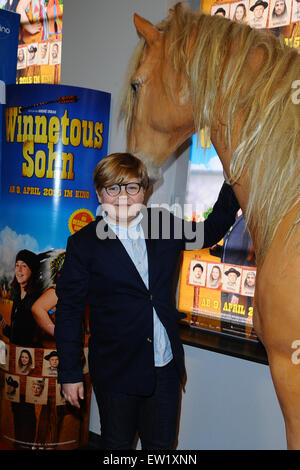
{"points": [[100, 271]]}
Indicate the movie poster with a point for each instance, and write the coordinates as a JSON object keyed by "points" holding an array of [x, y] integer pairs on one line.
{"points": [[9, 32], [217, 285], [281, 17], [40, 39], [53, 137]]}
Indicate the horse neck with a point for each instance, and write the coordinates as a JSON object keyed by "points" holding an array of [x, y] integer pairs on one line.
{"points": [[241, 187]]}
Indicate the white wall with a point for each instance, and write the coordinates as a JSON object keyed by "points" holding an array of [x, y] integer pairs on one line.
{"points": [[229, 403]]}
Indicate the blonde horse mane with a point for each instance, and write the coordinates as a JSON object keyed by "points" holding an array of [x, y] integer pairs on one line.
{"points": [[268, 144]]}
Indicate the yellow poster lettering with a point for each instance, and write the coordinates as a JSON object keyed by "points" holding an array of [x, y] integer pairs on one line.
{"points": [[54, 130], [82, 194], [75, 132], [47, 79], [65, 122], [60, 166], [40, 130], [54, 162], [234, 308], [19, 135], [98, 140], [68, 161], [205, 302], [242, 310], [52, 192], [27, 128], [87, 133], [33, 191], [25, 80], [28, 167], [11, 119]]}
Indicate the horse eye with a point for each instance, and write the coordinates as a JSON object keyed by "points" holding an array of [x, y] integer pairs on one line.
{"points": [[134, 86]]}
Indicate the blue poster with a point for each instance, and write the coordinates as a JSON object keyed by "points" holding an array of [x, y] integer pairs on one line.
{"points": [[53, 137], [9, 33]]}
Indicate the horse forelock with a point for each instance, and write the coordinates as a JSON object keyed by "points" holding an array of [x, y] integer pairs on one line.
{"points": [[216, 64]]}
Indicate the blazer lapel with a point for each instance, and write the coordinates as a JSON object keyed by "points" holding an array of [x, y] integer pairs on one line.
{"points": [[150, 244], [118, 253]]}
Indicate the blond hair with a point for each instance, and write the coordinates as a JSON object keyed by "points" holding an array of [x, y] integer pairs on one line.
{"points": [[268, 144]]}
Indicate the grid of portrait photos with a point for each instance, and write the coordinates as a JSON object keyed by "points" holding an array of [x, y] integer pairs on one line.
{"points": [[260, 13], [41, 53], [224, 277], [32, 372]]}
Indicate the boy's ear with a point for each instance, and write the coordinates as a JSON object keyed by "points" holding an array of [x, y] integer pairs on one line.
{"points": [[99, 197]]}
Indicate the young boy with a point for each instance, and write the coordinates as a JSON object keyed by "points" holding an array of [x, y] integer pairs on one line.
{"points": [[124, 265]]}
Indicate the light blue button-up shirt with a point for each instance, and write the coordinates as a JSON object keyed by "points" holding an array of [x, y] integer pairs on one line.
{"points": [[133, 240]]}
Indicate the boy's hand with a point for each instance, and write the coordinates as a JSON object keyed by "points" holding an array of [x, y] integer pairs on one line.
{"points": [[73, 392]]}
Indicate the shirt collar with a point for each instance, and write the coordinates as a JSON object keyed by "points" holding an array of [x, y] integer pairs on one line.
{"points": [[134, 224]]}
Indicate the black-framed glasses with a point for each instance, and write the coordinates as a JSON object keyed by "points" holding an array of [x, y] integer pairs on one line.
{"points": [[131, 188]]}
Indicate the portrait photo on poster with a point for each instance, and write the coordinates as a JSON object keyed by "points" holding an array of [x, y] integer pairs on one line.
{"points": [[232, 279], [214, 276], [36, 390], [280, 13], [32, 54], [295, 11], [50, 363], [222, 10], [12, 388], [258, 13], [43, 53], [55, 53], [197, 273], [22, 57], [24, 360], [248, 282], [4, 355], [239, 11]]}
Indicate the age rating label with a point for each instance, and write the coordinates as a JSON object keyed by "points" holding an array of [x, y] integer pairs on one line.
{"points": [[79, 219]]}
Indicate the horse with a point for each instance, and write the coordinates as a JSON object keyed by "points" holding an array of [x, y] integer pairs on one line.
{"points": [[195, 71]]}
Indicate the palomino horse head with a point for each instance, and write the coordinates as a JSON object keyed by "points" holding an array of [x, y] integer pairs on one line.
{"points": [[162, 115], [195, 71]]}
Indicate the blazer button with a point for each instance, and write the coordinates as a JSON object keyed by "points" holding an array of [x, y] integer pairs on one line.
{"points": [[149, 340], [151, 297]]}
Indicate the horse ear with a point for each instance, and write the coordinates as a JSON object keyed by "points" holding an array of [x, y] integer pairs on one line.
{"points": [[146, 29]]}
